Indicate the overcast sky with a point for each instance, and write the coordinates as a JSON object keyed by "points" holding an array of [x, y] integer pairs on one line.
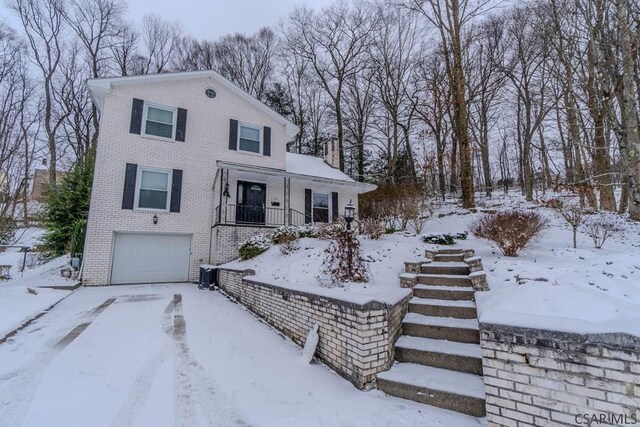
{"points": [[209, 19]]}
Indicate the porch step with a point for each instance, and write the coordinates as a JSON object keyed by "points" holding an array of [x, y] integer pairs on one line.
{"points": [[444, 279], [456, 391], [449, 258], [448, 328], [444, 292], [456, 356], [443, 308], [447, 268], [455, 251]]}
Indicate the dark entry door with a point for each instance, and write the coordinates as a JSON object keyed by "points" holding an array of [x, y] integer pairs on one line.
{"points": [[251, 202]]}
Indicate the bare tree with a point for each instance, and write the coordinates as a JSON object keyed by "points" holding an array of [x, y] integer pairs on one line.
{"points": [[334, 41], [160, 41]]}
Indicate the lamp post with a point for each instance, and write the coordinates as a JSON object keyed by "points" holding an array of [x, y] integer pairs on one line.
{"points": [[349, 213]]}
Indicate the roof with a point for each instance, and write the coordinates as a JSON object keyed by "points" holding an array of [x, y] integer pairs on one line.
{"points": [[99, 88], [301, 164], [304, 167]]}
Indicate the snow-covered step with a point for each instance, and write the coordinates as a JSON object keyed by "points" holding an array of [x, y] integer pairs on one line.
{"points": [[449, 257], [443, 308], [456, 356], [444, 292], [454, 251], [444, 279], [449, 268], [448, 328], [456, 391]]}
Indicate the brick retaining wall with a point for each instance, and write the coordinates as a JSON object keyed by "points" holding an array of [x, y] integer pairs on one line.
{"points": [[538, 377], [356, 340]]}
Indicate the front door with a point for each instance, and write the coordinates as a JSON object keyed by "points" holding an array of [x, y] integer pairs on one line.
{"points": [[250, 203]]}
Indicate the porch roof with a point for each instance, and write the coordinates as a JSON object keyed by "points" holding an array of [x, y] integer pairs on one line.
{"points": [[318, 171]]}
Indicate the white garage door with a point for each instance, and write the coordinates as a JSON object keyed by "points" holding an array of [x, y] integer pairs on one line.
{"points": [[150, 258]]}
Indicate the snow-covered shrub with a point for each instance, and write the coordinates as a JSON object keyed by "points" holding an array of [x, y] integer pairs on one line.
{"points": [[285, 233], [289, 246], [344, 261], [510, 230], [254, 246], [600, 229], [372, 229], [308, 230], [7, 229], [444, 238], [393, 204], [390, 230], [330, 231]]}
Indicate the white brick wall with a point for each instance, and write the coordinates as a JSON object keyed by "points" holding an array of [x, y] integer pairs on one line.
{"points": [[356, 341], [206, 142], [536, 377]]}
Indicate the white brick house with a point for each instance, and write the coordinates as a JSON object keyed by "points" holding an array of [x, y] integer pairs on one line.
{"points": [[187, 166]]}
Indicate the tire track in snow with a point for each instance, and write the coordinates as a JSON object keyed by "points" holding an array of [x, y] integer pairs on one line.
{"points": [[131, 407], [192, 378], [19, 387]]}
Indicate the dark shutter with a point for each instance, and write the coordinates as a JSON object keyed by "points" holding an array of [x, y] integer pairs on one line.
{"points": [[233, 134], [136, 116], [176, 190], [129, 186], [181, 124], [334, 206], [307, 206], [266, 150]]}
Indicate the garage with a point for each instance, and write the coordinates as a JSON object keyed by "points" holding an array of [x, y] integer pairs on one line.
{"points": [[150, 258]]}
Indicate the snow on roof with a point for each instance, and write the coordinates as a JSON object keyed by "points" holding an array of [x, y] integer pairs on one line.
{"points": [[301, 164]]}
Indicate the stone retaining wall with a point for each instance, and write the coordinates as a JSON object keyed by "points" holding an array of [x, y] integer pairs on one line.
{"points": [[356, 340], [538, 377]]}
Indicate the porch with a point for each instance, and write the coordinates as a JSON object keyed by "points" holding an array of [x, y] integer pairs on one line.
{"points": [[261, 216]]}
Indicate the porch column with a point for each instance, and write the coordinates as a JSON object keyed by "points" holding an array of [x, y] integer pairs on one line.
{"points": [[287, 219]]}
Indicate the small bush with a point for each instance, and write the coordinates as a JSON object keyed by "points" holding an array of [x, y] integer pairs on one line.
{"points": [[7, 229], [254, 246], [600, 229], [372, 229], [444, 238], [289, 247], [330, 231], [344, 262], [284, 234], [510, 230], [308, 231], [389, 230]]}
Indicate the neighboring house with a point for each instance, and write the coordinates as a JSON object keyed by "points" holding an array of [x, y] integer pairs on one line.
{"points": [[41, 181], [187, 167]]}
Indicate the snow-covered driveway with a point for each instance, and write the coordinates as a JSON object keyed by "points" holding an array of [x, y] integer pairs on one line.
{"points": [[166, 355]]}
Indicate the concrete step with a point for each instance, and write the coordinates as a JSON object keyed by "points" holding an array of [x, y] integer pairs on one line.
{"points": [[455, 251], [442, 328], [444, 279], [442, 388], [443, 308], [449, 258], [455, 356], [449, 268], [444, 292]]}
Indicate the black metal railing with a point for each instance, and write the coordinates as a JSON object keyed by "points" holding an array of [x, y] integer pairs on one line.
{"points": [[257, 215]]}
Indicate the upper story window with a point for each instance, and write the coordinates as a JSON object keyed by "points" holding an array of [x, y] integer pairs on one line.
{"points": [[320, 207], [159, 121], [250, 139], [153, 189]]}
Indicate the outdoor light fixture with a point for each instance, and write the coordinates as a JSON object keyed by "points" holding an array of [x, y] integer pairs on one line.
{"points": [[155, 219], [226, 193], [349, 214]]}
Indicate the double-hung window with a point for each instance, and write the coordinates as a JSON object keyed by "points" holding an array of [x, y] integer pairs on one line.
{"points": [[153, 189], [250, 139], [160, 121], [320, 207]]}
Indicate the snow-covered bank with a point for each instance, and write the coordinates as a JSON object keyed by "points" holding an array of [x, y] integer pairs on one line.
{"points": [[17, 304], [549, 285]]}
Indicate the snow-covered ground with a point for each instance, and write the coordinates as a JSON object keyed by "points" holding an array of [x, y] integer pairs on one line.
{"points": [[17, 304], [549, 285], [140, 355]]}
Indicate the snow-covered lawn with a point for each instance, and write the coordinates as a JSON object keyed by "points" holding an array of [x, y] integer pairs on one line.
{"points": [[17, 305], [549, 285], [149, 358]]}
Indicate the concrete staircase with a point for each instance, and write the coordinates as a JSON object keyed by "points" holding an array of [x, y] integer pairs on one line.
{"points": [[438, 356]]}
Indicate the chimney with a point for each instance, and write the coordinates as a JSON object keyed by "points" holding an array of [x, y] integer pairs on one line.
{"points": [[331, 153]]}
